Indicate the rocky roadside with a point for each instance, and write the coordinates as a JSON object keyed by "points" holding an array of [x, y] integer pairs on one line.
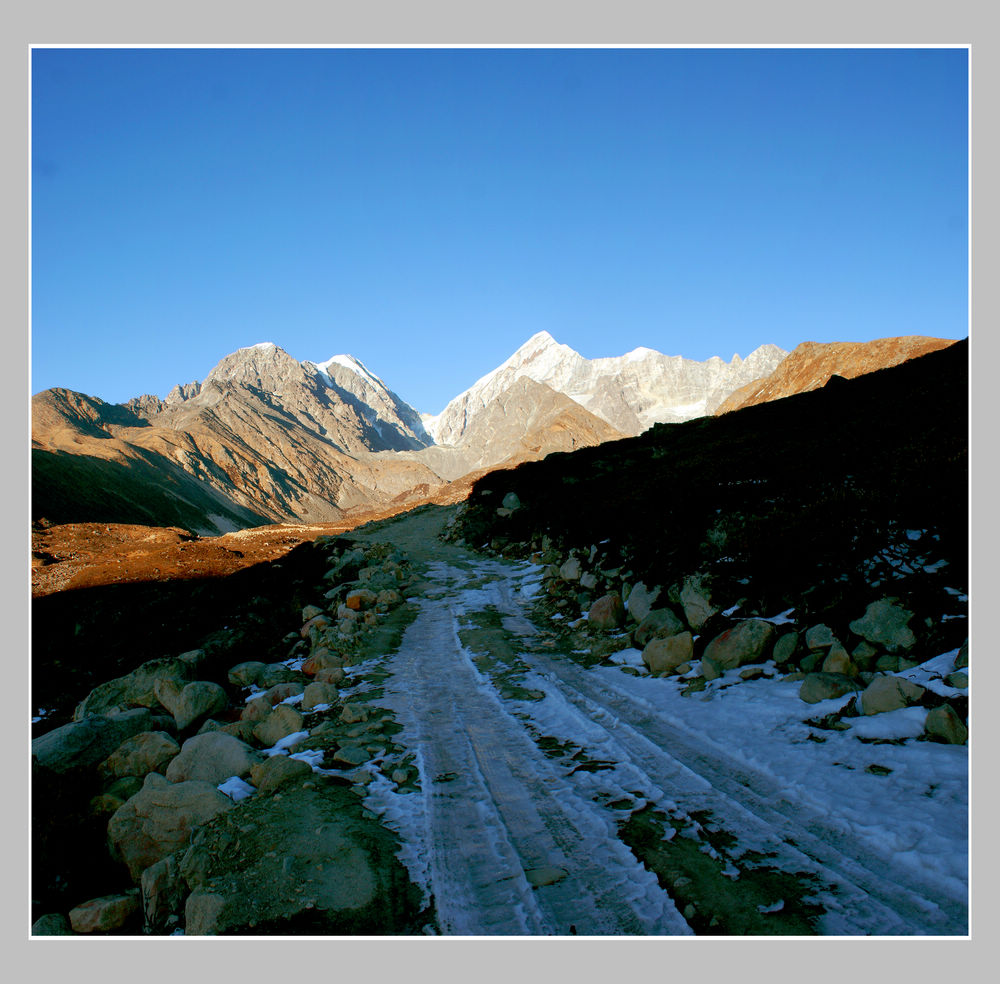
{"points": [[229, 801]]}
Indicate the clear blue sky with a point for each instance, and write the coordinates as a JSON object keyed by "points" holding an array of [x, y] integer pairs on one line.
{"points": [[429, 210]]}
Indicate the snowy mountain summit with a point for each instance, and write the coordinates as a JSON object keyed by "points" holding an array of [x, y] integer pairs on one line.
{"points": [[631, 392]]}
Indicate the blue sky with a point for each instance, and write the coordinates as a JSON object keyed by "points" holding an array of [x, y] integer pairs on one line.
{"points": [[429, 210]]}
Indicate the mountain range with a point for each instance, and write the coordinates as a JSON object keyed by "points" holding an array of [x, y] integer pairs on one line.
{"points": [[266, 438]]}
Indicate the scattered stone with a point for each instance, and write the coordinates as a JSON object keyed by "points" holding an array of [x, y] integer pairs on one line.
{"points": [[588, 581], [149, 751], [824, 686], [710, 670], [354, 713], [332, 675], [889, 693], [658, 624], [752, 673], [387, 599], [885, 623], [105, 913], [212, 757], [666, 655], [399, 776], [85, 743], [246, 674], [158, 820], [608, 612], [351, 755], [745, 642], [945, 725], [511, 501]]}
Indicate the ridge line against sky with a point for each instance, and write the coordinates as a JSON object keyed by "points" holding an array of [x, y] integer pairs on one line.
{"points": [[428, 210]]}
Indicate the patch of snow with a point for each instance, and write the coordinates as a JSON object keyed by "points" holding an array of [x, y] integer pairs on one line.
{"points": [[628, 657], [782, 618], [236, 789], [773, 907], [934, 568], [294, 699], [906, 722], [915, 534], [281, 747], [311, 756], [730, 611]]}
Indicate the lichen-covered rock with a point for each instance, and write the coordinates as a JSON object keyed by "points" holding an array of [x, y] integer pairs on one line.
{"points": [[886, 624]]}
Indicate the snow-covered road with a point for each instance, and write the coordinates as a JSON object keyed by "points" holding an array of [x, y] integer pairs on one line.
{"points": [[510, 837]]}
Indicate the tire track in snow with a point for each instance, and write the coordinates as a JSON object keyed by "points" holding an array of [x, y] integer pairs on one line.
{"points": [[497, 815]]}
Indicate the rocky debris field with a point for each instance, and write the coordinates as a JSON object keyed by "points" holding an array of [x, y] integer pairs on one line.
{"points": [[143, 814]]}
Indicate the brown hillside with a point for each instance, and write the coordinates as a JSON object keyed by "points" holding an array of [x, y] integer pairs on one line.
{"points": [[811, 364]]}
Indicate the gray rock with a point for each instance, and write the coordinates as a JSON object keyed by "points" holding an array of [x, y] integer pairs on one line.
{"points": [[511, 501], [889, 693], [198, 700], [886, 624], [820, 637], [319, 693], [837, 661], [824, 686], [212, 757], [745, 642], [278, 771], [277, 673], [571, 570], [158, 820], [588, 581], [283, 721], [85, 743]]}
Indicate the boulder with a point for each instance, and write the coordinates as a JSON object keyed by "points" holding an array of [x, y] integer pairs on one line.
{"points": [[387, 599], [259, 708], [198, 700], [511, 501], [149, 751], [943, 724], [784, 648], [354, 713], [837, 661], [310, 612], [283, 721], [319, 693], [658, 624], [105, 913], [640, 601], [135, 689], [307, 854], [959, 680], [333, 674], [710, 670], [274, 674], [360, 599], [321, 659], [159, 819], [85, 743], [246, 674], [666, 655], [212, 757], [745, 642], [314, 626], [820, 637], [278, 771], [51, 924], [695, 597], [608, 612], [571, 569], [886, 624], [588, 581], [825, 686], [889, 693], [163, 890]]}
